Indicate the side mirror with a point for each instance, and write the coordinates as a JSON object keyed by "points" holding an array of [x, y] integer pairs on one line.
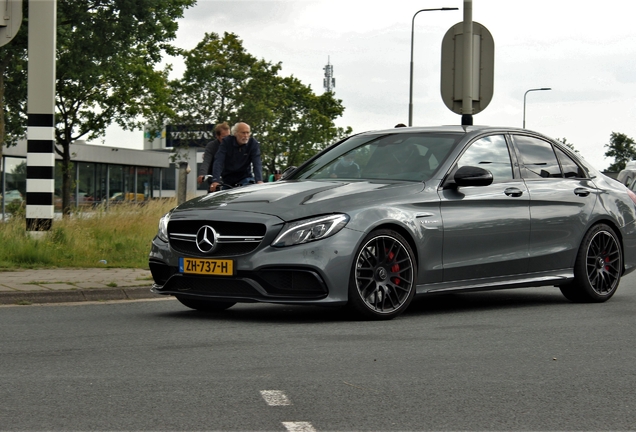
{"points": [[472, 176], [287, 172]]}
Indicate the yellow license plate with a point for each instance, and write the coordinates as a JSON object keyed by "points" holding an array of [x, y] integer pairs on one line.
{"points": [[216, 267]]}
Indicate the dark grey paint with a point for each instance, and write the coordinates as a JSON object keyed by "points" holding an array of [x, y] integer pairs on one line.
{"points": [[516, 233]]}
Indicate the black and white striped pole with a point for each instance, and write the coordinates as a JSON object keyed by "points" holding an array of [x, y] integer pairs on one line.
{"points": [[40, 185]]}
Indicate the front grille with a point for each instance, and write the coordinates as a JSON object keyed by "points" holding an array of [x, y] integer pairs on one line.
{"points": [[212, 286], [265, 284], [233, 238]]}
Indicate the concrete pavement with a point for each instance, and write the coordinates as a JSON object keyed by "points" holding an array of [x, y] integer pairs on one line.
{"points": [[74, 285]]}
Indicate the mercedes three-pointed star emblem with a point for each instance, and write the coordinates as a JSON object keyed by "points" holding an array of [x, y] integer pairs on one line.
{"points": [[206, 239]]}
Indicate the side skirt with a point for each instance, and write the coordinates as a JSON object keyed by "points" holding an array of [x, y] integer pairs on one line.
{"points": [[555, 277]]}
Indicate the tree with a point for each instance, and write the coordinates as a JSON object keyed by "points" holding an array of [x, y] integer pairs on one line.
{"points": [[622, 149], [292, 123], [13, 86], [215, 69], [106, 54], [223, 82]]}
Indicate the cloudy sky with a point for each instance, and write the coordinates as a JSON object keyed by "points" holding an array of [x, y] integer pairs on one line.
{"points": [[584, 51]]}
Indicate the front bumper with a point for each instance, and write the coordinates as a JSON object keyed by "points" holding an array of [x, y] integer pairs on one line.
{"points": [[312, 273]]}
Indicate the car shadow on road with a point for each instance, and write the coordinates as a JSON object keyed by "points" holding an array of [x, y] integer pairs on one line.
{"points": [[487, 300], [422, 306]]}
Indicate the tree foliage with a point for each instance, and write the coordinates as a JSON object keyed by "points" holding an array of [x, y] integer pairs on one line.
{"points": [[13, 86], [223, 82], [622, 148], [107, 51]]}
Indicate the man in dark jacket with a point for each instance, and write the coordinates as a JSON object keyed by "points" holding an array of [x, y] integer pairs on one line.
{"points": [[220, 131], [238, 160]]}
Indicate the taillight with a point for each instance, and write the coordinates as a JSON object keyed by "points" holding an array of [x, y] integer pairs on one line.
{"points": [[632, 195]]}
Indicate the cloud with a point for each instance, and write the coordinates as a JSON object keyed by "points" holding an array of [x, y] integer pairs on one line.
{"points": [[585, 51]]}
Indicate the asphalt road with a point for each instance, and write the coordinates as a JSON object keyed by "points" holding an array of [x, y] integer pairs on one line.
{"points": [[506, 360]]}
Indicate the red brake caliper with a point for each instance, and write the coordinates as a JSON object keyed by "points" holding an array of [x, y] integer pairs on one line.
{"points": [[395, 268]]}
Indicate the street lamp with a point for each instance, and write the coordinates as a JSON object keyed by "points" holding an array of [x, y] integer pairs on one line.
{"points": [[412, 37], [524, 102]]}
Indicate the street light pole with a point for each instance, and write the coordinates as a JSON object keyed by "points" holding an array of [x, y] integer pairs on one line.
{"points": [[412, 37], [524, 102]]}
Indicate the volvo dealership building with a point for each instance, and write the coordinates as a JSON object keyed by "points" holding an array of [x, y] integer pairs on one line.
{"points": [[111, 174]]}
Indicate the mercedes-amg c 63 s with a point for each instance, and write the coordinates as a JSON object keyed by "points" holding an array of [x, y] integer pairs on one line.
{"points": [[383, 216]]}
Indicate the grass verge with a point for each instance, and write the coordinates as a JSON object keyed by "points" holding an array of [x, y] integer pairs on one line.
{"points": [[121, 236]]}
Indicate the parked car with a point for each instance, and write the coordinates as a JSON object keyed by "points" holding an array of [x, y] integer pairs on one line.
{"points": [[430, 210], [128, 197], [628, 175], [12, 195]]}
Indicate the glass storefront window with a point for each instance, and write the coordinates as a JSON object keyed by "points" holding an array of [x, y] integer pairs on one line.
{"points": [[86, 185], [169, 181], [157, 174], [116, 182], [92, 183], [14, 180], [144, 178], [57, 199]]}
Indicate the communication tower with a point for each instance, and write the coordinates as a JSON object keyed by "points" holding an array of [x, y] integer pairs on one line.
{"points": [[329, 82]]}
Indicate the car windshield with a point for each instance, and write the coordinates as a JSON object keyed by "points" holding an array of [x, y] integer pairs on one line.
{"points": [[404, 156]]}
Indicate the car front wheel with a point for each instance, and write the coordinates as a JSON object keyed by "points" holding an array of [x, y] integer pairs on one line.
{"points": [[205, 305], [598, 267], [382, 282]]}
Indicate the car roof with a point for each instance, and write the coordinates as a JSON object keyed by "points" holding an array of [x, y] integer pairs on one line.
{"points": [[450, 128], [472, 130]]}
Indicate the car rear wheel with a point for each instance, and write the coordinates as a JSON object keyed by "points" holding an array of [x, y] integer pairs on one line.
{"points": [[598, 267], [382, 282], [205, 305]]}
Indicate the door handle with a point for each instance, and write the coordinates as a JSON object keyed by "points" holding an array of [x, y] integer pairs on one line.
{"points": [[582, 192], [513, 192]]}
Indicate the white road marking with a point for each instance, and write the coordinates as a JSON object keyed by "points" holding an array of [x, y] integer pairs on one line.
{"points": [[299, 427], [275, 398], [279, 398]]}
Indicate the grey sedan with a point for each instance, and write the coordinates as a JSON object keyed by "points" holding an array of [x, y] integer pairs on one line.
{"points": [[383, 216]]}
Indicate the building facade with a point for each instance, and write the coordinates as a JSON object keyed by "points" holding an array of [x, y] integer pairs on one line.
{"points": [[105, 174]]}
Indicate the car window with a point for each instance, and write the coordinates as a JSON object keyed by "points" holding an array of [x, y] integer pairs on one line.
{"points": [[490, 153], [570, 168], [537, 157], [410, 157]]}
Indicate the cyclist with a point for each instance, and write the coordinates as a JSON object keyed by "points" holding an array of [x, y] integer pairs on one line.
{"points": [[238, 160], [220, 131]]}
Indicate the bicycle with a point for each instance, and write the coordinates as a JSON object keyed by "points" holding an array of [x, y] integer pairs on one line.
{"points": [[226, 186]]}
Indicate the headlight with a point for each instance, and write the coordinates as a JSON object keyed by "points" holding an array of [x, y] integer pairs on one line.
{"points": [[308, 230], [163, 226]]}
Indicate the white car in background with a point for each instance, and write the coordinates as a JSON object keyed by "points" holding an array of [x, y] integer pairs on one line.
{"points": [[12, 195], [628, 175]]}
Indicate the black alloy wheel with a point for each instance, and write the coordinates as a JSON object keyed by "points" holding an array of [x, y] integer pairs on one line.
{"points": [[598, 267], [205, 305], [382, 282]]}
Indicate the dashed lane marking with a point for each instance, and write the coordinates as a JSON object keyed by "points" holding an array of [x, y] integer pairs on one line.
{"points": [[299, 427], [279, 398], [275, 398]]}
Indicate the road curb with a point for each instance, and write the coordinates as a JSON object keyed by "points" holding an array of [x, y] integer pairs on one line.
{"points": [[80, 295]]}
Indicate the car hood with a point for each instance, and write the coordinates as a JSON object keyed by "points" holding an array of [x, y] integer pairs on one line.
{"points": [[291, 200]]}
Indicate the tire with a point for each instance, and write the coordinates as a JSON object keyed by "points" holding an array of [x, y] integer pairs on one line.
{"points": [[598, 267], [383, 276], [205, 305]]}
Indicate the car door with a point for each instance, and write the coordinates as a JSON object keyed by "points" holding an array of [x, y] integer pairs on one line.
{"points": [[562, 198], [486, 228]]}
